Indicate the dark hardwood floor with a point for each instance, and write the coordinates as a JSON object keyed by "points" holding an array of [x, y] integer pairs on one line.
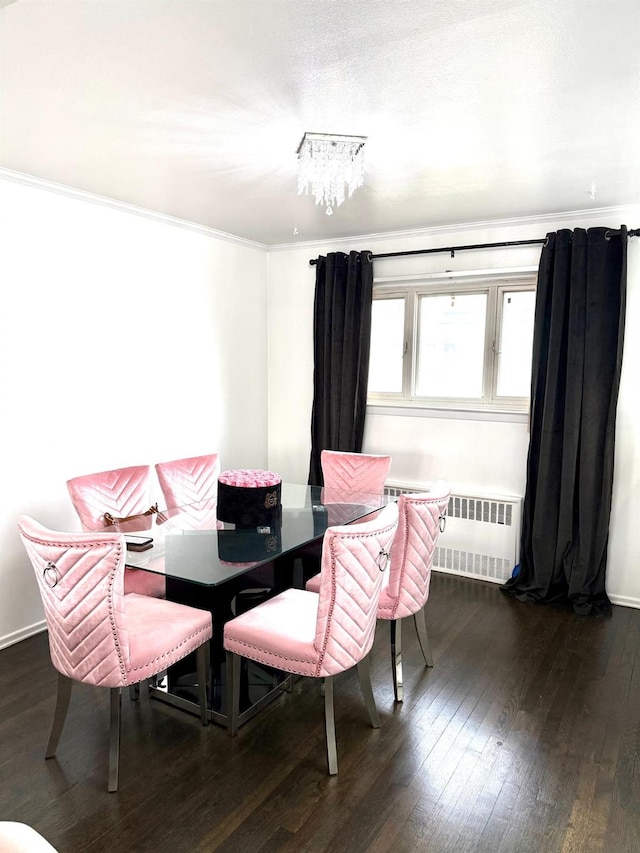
{"points": [[525, 736]]}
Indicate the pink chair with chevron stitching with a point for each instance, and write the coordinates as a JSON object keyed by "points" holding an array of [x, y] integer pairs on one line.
{"points": [[405, 586], [120, 493], [100, 636], [352, 472], [192, 481], [320, 635], [348, 478]]}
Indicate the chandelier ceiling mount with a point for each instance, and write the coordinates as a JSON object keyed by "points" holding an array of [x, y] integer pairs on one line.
{"points": [[327, 163]]}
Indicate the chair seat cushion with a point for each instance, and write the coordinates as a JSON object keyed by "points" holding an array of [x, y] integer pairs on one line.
{"points": [[313, 584], [16, 837], [157, 624], [144, 583], [279, 633]]}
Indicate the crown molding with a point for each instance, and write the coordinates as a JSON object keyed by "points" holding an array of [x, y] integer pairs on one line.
{"points": [[619, 213], [124, 207], [579, 216]]}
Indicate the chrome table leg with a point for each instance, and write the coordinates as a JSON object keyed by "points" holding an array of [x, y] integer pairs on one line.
{"points": [[396, 659]]}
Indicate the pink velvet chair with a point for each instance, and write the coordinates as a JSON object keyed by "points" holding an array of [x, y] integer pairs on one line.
{"points": [[100, 636], [320, 635], [353, 472], [192, 481], [405, 586], [348, 479], [120, 493]]}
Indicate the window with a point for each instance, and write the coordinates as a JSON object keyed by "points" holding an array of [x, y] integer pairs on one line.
{"points": [[453, 345]]}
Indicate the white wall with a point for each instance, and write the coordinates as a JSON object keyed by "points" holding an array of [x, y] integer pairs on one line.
{"points": [[623, 572], [127, 340], [123, 340], [475, 455]]}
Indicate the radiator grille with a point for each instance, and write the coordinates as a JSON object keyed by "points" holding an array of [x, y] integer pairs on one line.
{"points": [[467, 563], [488, 510], [479, 509], [482, 535]]}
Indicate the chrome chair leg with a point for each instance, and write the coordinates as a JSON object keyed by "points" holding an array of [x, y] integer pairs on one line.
{"points": [[59, 715], [421, 628], [330, 726], [114, 737], [202, 668], [233, 693], [396, 659], [364, 677]]}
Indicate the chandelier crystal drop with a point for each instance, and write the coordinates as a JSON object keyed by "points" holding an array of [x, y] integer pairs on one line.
{"points": [[327, 163]]}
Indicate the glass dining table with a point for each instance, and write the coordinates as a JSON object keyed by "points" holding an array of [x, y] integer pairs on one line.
{"points": [[227, 569]]}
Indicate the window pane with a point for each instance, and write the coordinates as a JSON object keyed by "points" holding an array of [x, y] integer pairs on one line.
{"points": [[387, 346], [451, 345], [516, 343]]}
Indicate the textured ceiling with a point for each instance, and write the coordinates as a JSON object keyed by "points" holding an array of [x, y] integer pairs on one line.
{"points": [[474, 110]]}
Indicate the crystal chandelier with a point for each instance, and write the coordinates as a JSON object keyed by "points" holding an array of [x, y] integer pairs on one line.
{"points": [[328, 162]]}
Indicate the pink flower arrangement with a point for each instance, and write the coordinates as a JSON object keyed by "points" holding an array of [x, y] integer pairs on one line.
{"points": [[250, 478]]}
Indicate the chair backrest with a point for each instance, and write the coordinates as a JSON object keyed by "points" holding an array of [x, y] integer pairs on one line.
{"points": [[121, 492], [80, 577], [192, 481], [412, 552], [353, 561], [354, 472]]}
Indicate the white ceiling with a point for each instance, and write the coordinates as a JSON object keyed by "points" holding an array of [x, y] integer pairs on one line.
{"points": [[474, 109]]}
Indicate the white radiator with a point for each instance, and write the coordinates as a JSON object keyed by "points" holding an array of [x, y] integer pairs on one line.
{"points": [[481, 537]]}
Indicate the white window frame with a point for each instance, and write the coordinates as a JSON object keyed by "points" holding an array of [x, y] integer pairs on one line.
{"points": [[410, 289]]}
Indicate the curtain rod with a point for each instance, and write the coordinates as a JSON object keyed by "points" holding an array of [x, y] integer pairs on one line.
{"points": [[453, 249]]}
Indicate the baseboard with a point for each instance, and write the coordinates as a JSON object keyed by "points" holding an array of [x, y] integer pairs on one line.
{"points": [[22, 634], [625, 600], [470, 575], [620, 600]]}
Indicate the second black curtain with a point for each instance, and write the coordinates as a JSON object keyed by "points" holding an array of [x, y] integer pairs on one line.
{"points": [[342, 334], [577, 359]]}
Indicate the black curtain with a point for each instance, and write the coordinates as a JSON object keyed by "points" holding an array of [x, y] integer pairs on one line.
{"points": [[577, 358], [342, 333]]}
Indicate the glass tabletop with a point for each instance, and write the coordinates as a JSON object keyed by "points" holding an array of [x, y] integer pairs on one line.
{"points": [[190, 543]]}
